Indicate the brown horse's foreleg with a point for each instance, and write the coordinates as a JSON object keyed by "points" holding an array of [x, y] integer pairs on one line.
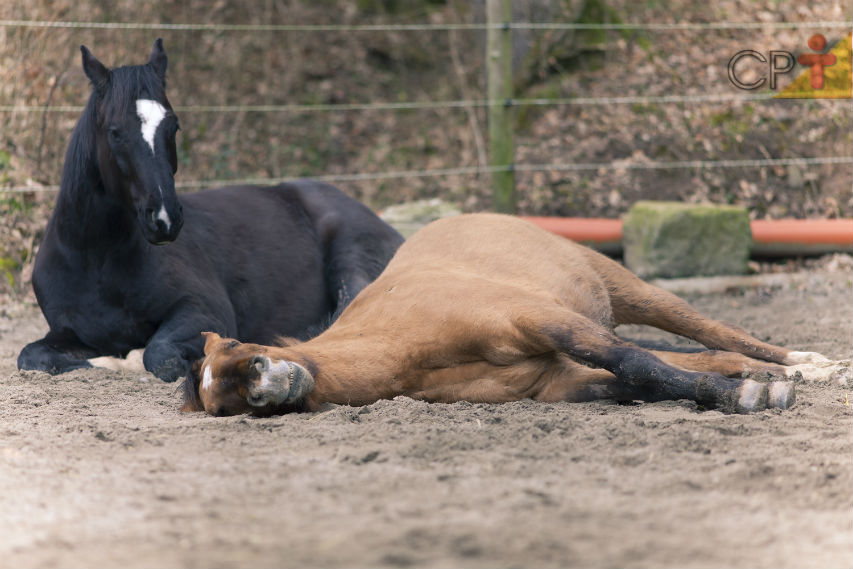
{"points": [[579, 337], [730, 364]]}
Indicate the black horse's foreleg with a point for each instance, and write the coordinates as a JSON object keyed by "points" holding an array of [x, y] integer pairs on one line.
{"points": [[353, 259], [56, 353], [177, 343]]}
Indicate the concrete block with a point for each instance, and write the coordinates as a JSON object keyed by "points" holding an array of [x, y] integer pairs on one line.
{"points": [[673, 239], [408, 218]]}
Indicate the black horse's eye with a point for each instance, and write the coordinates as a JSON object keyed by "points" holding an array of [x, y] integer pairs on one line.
{"points": [[114, 134]]}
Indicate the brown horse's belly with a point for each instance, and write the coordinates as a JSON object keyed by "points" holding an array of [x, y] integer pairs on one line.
{"points": [[484, 382]]}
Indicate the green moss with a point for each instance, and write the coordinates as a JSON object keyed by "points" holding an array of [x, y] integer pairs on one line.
{"points": [[8, 268], [672, 239]]}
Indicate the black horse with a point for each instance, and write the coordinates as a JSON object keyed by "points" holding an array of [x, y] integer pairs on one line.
{"points": [[248, 262]]}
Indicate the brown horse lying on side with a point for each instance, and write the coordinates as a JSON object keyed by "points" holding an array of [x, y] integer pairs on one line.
{"points": [[489, 308]]}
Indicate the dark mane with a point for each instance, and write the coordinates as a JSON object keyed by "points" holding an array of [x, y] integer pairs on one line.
{"points": [[189, 389], [79, 158]]}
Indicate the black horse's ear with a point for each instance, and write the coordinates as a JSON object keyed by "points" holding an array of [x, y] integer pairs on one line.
{"points": [[158, 59], [94, 69]]}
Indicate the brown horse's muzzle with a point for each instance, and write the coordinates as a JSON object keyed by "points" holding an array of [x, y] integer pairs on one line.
{"points": [[276, 382]]}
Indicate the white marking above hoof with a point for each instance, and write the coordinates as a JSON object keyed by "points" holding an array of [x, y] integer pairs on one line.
{"points": [[752, 396], [795, 358], [835, 372], [781, 394]]}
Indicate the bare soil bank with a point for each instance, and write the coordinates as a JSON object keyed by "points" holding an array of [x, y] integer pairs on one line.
{"points": [[100, 469]]}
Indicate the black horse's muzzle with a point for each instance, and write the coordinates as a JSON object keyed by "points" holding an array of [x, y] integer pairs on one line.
{"points": [[162, 225]]}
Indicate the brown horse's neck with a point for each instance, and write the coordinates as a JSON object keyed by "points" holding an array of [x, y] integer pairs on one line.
{"points": [[346, 372]]}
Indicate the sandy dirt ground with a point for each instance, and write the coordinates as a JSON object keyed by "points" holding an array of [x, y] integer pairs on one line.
{"points": [[100, 469]]}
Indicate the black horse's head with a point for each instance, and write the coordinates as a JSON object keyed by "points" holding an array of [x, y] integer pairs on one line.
{"points": [[136, 131]]}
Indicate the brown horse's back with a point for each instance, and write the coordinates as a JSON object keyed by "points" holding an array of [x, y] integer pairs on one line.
{"points": [[481, 262]]}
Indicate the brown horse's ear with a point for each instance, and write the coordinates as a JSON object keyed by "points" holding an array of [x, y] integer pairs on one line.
{"points": [[192, 400], [211, 339], [94, 69], [158, 60]]}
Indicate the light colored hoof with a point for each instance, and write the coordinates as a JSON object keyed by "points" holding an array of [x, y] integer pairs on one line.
{"points": [[842, 375], [834, 372], [781, 394], [796, 358], [752, 396]]}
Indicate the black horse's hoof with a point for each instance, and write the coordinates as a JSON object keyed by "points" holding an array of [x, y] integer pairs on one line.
{"points": [[40, 357], [164, 363], [170, 370]]}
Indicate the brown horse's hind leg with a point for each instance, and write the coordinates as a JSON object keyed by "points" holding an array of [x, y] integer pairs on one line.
{"points": [[578, 337], [635, 301], [576, 382]]}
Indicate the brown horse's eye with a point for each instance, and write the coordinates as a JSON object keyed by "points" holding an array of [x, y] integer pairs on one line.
{"points": [[233, 344]]}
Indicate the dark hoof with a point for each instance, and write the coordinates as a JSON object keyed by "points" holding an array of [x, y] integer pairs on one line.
{"points": [[38, 357], [169, 370]]}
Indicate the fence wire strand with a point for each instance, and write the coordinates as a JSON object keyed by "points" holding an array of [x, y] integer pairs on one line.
{"points": [[651, 26], [430, 105], [472, 170]]}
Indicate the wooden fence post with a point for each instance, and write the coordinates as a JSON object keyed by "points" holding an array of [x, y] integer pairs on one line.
{"points": [[499, 70]]}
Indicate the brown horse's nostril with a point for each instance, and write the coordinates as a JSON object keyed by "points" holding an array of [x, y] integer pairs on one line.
{"points": [[259, 363], [257, 399]]}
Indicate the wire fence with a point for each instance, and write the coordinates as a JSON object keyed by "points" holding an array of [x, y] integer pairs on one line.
{"points": [[469, 170], [428, 105], [451, 104], [650, 26]]}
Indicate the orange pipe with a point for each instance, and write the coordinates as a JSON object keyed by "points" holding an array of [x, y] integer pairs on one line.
{"points": [[807, 231], [587, 230], [769, 237]]}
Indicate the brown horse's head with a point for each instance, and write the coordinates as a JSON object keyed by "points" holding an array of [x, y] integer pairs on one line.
{"points": [[236, 378]]}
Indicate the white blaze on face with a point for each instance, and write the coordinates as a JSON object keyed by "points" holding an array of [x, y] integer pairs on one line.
{"points": [[206, 378], [151, 113]]}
